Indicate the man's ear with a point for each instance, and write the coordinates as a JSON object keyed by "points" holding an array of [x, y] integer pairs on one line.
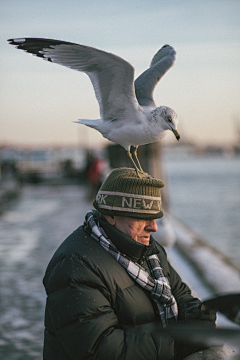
{"points": [[111, 219]]}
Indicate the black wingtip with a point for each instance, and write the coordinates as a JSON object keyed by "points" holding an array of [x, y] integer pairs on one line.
{"points": [[16, 41], [33, 45]]}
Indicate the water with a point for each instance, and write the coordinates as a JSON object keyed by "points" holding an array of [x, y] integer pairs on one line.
{"points": [[30, 232], [205, 194]]}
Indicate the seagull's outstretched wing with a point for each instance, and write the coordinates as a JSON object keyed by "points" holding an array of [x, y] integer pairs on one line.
{"points": [[111, 76], [147, 81]]}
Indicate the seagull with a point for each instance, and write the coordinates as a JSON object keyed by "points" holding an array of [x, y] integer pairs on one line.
{"points": [[129, 115]]}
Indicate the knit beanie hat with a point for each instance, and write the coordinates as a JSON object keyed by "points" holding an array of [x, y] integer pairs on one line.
{"points": [[123, 193]]}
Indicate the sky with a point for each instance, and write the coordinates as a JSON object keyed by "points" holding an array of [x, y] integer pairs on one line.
{"points": [[40, 101]]}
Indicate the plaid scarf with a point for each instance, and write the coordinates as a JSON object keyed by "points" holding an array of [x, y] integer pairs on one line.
{"points": [[158, 284]]}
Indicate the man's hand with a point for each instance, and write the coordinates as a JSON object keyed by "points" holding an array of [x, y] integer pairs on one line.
{"points": [[199, 312]]}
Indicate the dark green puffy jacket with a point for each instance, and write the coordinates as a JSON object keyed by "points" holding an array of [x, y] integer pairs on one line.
{"points": [[95, 310]]}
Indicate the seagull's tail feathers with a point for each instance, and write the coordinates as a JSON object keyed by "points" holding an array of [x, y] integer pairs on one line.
{"points": [[91, 123]]}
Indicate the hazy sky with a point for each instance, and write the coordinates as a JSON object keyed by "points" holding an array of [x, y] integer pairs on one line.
{"points": [[40, 100]]}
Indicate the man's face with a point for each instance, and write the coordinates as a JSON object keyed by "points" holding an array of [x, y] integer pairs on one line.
{"points": [[138, 229]]}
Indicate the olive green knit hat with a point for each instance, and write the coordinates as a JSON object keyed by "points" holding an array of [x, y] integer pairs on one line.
{"points": [[123, 193]]}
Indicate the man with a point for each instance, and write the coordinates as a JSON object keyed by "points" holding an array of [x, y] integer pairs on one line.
{"points": [[111, 291]]}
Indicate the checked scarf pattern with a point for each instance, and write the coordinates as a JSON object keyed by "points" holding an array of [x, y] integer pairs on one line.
{"points": [[158, 284]]}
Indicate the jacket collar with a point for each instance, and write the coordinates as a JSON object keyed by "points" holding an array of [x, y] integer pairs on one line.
{"points": [[126, 245]]}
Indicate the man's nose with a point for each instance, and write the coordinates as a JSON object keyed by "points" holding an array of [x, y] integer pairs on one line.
{"points": [[151, 226]]}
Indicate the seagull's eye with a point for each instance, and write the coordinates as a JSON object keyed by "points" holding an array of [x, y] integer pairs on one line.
{"points": [[169, 119]]}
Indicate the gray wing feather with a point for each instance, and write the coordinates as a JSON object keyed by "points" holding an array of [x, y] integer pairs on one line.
{"points": [[111, 76], [145, 84]]}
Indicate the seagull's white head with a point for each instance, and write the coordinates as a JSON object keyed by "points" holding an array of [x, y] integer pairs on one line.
{"points": [[167, 119]]}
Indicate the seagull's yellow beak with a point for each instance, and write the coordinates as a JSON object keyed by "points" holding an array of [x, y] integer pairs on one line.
{"points": [[176, 134]]}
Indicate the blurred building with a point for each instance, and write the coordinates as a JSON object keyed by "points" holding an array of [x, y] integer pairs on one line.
{"points": [[36, 165]]}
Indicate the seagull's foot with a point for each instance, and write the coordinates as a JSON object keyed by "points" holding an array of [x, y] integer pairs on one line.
{"points": [[134, 164], [138, 163], [139, 171]]}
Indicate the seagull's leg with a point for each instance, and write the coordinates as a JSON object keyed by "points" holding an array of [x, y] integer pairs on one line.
{"points": [[135, 155], [134, 164]]}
